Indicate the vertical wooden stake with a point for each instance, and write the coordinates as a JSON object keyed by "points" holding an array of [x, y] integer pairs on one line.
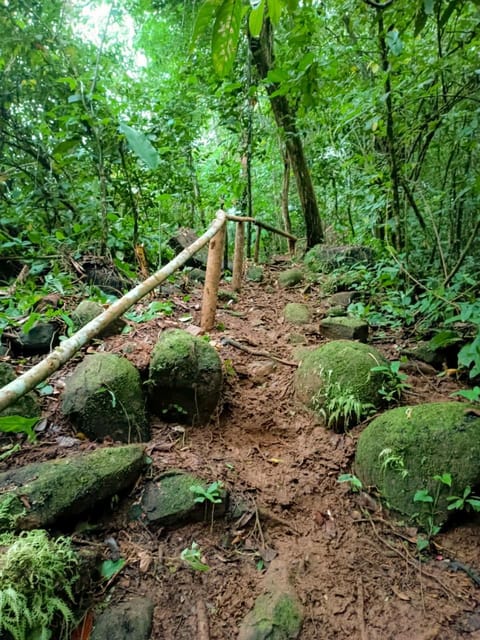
{"points": [[257, 246], [212, 280], [238, 256]]}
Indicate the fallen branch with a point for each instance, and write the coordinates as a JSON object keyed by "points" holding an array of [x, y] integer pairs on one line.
{"points": [[262, 225], [202, 621], [21, 385], [254, 352]]}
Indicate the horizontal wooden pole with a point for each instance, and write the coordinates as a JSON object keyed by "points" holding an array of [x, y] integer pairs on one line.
{"points": [[263, 225]]}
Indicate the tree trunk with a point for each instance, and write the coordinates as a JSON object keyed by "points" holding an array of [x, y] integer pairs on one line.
{"points": [[263, 57]]}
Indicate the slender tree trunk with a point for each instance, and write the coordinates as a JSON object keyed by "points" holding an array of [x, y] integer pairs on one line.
{"points": [[284, 201], [263, 58]]}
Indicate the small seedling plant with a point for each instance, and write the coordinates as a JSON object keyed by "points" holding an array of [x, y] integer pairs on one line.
{"points": [[212, 493], [192, 557], [355, 483], [395, 381]]}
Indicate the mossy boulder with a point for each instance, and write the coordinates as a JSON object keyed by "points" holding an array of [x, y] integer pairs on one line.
{"points": [[277, 613], [296, 313], [41, 494], [170, 501], [336, 381], [290, 278], [344, 327], [104, 398], [185, 378], [27, 406], [254, 273], [87, 310], [130, 620], [325, 258], [402, 450]]}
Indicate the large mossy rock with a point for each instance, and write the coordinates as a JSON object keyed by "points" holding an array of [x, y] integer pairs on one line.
{"points": [[87, 311], [326, 258], [344, 327], [297, 313], [290, 278], [104, 398], [170, 501], [336, 381], [26, 406], [131, 620], [41, 494], [185, 378], [402, 450]]}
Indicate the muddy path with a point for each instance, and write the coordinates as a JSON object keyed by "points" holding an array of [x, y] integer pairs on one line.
{"points": [[354, 568]]}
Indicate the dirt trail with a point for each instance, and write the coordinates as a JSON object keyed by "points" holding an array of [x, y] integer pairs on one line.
{"points": [[354, 569]]}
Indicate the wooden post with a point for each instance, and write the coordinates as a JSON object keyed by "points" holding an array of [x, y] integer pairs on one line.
{"points": [[238, 256], [257, 246], [212, 280]]}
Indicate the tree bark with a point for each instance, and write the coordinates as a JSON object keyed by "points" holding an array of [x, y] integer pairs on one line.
{"points": [[263, 57]]}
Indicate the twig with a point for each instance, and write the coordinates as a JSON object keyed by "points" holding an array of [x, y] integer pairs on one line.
{"points": [[361, 610], [202, 621], [254, 352]]}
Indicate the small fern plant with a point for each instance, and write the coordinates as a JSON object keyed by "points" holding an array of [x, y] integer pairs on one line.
{"points": [[37, 575]]}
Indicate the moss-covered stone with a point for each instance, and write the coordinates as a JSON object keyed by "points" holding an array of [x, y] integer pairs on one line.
{"points": [[277, 613], [185, 378], [338, 375], [296, 313], [290, 278], [87, 310], [170, 501], [402, 450], [27, 406], [254, 273], [344, 327], [41, 494], [131, 620], [104, 398], [325, 258]]}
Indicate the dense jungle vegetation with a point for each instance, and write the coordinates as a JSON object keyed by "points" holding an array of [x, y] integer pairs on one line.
{"points": [[346, 121]]}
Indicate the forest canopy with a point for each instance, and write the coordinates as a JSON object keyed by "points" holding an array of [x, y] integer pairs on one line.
{"points": [[121, 122]]}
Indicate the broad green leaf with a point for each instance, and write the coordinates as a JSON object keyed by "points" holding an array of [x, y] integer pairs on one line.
{"points": [[19, 424], [109, 568], [204, 19], [225, 36], [140, 145], [306, 61], [428, 7], [394, 42], [255, 19], [448, 12], [274, 10], [63, 148]]}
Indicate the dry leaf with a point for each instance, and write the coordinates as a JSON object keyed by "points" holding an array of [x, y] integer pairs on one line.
{"points": [[145, 561]]}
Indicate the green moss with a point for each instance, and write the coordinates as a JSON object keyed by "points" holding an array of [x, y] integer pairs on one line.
{"points": [[276, 616], [296, 313], [340, 369], [290, 278], [185, 377], [65, 487], [402, 450], [254, 274], [104, 397]]}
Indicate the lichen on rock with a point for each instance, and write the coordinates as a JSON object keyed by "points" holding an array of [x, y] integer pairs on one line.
{"points": [[402, 451]]}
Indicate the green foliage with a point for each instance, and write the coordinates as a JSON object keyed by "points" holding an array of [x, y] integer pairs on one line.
{"points": [[37, 575], [110, 568], [466, 501], [153, 310], [395, 381], [212, 493], [192, 557], [19, 424], [392, 460], [472, 395], [355, 483]]}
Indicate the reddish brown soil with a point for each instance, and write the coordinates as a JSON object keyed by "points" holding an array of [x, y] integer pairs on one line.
{"points": [[354, 567]]}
